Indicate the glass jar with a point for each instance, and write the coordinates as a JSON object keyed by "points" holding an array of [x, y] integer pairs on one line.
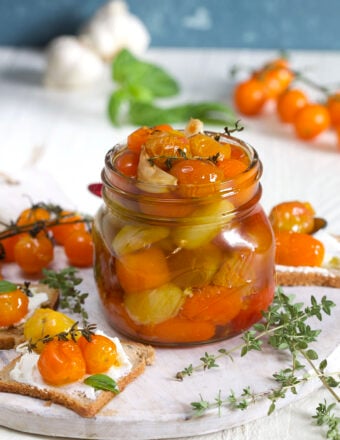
{"points": [[186, 265]]}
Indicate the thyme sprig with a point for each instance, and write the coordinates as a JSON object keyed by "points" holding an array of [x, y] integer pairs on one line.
{"points": [[71, 298], [325, 416], [284, 327]]}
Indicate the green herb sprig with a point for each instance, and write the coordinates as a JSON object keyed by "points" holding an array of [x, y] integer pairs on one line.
{"points": [[284, 327], [140, 83], [71, 298]]}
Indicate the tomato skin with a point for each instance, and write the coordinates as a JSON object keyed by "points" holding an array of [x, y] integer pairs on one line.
{"points": [[79, 249], [289, 103], [292, 216], [250, 97], [13, 307], [127, 163], [137, 138], [296, 249], [61, 362], [276, 79], [231, 167], [32, 254], [205, 146], [8, 245], [100, 353], [311, 120]]}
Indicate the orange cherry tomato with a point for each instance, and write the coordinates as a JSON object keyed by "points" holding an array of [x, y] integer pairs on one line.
{"points": [[289, 103], [33, 215], [333, 105], [292, 216], [32, 254], [231, 167], [8, 245], [196, 178], [215, 304], [68, 223], [137, 138], [311, 120], [276, 79], [142, 270], [61, 362], [13, 307], [100, 353], [127, 163], [79, 249], [204, 146], [295, 249], [250, 97], [179, 329]]}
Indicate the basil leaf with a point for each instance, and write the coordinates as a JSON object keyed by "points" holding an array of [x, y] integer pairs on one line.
{"points": [[127, 69], [7, 286], [102, 382], [115, 106], [209, 112]]}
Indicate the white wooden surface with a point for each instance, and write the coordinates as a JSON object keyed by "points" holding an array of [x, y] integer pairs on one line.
{"points": [[61, 137]]}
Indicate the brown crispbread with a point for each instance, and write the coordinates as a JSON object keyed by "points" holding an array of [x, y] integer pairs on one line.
{"points": [[307, 276], [12, 336], [139, 355]]}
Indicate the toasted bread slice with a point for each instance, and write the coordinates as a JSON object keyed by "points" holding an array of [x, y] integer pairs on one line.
{"points": [[307, 276], [139, 355], [12, 336]]}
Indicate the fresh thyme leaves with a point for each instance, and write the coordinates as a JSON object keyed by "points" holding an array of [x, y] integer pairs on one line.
{"points": [[102, 382], [325, 416], [66, 281], [237, 127], [140, 83], [284, 327]]}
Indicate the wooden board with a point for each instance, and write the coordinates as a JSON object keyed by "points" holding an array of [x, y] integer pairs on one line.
{"points": [[158, 406]]}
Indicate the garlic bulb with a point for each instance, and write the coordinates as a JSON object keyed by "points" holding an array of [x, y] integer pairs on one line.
{"points": [[71, 64], [113, 28]]}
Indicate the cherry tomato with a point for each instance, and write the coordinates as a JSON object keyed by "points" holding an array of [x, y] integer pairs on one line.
{"points": [[79, 249], [13, 307], [311, 120], [8, 245], [276, 79], [100, 353], [289, 102], [250, 97], [295, 249], [231, 167], [142, 270], [32, 215], [196, 177], [32, 254], [137, 138], [333, 105], [292, 216], [45, 322], [61, 362], [204, 146], [127, 163], [69, 223]]}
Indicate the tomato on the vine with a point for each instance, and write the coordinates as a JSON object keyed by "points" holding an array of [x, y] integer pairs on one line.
{"points": [[33, 215], [79, 249], [32, 254], [289, 103], [311, 120], [250, 96], [333, 105], [13, 307], [61, 362], [7, 248], [276, 79], [68, 223], [100, 353]]}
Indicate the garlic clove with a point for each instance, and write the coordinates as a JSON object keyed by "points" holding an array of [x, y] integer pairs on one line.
{"points": [[113, 28], [194, 126], [71, 64]]}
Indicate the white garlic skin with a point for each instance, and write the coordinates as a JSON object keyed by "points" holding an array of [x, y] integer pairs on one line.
{"points": [[71, 64], [113, 28]]}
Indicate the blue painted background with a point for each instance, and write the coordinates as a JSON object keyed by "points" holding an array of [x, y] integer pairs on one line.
{"points": [[272, 24]]}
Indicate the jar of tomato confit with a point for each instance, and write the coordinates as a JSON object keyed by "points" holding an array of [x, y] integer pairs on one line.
{"points": [[184, 253]]}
